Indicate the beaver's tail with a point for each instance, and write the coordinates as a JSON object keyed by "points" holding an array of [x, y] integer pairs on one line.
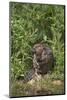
{"points": [[27, 77]]}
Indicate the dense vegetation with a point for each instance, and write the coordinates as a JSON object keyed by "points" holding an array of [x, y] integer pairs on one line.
{"points": [[35, 23]]}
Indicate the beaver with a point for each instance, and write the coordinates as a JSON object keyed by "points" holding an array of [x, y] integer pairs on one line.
{"points": [[43, 59]]}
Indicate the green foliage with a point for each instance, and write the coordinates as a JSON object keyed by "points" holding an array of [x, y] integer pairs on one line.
{"points": [[34, 23]]}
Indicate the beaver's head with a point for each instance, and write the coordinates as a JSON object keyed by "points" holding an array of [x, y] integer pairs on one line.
{"points": [[37, 50]]}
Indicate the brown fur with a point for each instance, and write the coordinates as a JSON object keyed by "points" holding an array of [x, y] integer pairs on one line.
{"points": [[43, 60]]}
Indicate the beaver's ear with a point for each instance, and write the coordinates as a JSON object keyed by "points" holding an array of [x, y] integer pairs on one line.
{"points": [[33, 50], [43, 46]]}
